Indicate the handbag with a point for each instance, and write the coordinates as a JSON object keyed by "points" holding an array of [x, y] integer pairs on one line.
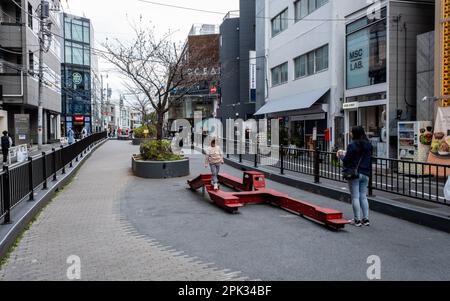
{"points": [[353, 173]]}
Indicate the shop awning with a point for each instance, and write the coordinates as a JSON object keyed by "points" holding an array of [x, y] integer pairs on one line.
{"points": [[294, 102]]}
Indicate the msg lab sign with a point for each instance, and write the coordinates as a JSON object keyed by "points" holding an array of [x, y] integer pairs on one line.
{"points": [[356, 60]]}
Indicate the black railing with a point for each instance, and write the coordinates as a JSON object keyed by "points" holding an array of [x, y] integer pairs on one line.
{"points": [[418, 180], [19, 182]]}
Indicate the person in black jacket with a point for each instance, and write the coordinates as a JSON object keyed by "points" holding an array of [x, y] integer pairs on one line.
{"points": [[358, 156], [5, 146]]}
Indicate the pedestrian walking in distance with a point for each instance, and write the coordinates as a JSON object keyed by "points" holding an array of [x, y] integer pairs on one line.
{"points": [[83, 133], [6, 144], [70, 136], [357, 170], [214, 158]]}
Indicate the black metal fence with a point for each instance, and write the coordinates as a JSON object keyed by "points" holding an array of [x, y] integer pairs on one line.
{"points": [[19, 182], [418, 180]]}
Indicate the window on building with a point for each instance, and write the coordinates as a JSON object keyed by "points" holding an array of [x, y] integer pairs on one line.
{"points": [[30, 15], [301, 9], [321, 58], [300, 66], [366, 52], [280, 22], [31, 61], [311, 62], [77, 54], [77, 31], [306, 7], [68, 53], [86, 33], [280, 74], [67, 30]]}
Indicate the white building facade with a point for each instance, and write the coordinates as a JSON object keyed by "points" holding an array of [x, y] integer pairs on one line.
{"points": [[305, 63]]}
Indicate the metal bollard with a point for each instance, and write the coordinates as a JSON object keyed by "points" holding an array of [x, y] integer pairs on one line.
{"points": [[63, 163], [317, 166], [54, 164], [44, 170], [6, 196], [30, 178]]}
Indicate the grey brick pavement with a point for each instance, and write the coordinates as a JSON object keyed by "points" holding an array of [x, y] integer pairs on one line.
{"points": [[84, 220]]}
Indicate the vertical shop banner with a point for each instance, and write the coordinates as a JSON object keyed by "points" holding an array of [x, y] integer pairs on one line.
{"points": [[22, 127], [440, 147], [252, 81]]}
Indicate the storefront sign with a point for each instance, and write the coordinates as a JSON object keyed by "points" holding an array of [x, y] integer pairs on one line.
{"points": [[252, 65], [77, 78], [351, 105], [22, 127], [314, 134], [78, 118], [320, 116], [358, 59]]}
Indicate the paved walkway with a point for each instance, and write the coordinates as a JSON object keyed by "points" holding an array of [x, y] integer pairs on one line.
{"points": [[126, 228], [84, 220]]}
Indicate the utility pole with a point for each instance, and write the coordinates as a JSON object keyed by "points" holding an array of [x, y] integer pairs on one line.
{"points": [[43, 16], [102, 105]]}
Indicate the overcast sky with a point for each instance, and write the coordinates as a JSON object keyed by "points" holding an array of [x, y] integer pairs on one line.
{"points": [[111, 18]]}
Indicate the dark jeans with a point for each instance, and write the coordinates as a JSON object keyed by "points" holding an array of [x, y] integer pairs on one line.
{"points": [[5, 155]]}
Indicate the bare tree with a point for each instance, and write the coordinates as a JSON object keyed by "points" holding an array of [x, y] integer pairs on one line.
{"points": [[140, 103], [158, 67]]}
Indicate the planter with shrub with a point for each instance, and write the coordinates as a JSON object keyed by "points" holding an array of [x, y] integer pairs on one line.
{"points": [[157, 161]]}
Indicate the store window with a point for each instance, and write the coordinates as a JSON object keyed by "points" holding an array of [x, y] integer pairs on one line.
{"points": [[280, 74], [366, 52]]}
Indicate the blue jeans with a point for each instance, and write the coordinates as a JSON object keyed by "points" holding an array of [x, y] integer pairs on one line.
{"points": [[215, 169], [359, 189]]}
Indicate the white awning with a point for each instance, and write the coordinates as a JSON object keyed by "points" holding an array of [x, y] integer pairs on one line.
{"points": [[294, 102]]}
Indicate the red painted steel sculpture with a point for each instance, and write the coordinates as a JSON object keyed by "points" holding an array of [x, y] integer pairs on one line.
{"points": [[252, 190]]}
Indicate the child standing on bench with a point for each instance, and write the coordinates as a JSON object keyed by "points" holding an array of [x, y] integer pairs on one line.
{"points": [[214, 158]]}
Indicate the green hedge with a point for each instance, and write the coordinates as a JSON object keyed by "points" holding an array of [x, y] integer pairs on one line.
{"points": [[158, 150], [139, 132]]}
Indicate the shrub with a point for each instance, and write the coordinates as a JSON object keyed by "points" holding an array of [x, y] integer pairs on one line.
{"points": [[158, 150], [139, 132]]}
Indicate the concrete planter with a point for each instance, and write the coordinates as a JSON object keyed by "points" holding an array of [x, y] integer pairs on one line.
{"points": [[160, 169], [139, 141]]}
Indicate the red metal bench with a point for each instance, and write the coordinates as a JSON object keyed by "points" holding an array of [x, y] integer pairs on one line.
{"points": [[252, 190]]}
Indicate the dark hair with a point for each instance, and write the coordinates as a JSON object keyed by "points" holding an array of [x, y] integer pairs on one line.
{"points": [[5, 133], [213, 142], [358, 134]]}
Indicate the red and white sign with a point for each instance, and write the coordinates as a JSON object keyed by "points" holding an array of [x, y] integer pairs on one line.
{"points": [[213, 90], [78, 118]]}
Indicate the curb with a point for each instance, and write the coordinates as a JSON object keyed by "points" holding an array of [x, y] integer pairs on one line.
{"points": [[378, 204], [21, 222]]}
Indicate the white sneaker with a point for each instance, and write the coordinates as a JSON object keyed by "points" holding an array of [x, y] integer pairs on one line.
{"points": [[216, 187]]}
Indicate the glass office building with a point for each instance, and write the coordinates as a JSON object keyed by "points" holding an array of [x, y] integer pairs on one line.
{"points": [[76, 74]]}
